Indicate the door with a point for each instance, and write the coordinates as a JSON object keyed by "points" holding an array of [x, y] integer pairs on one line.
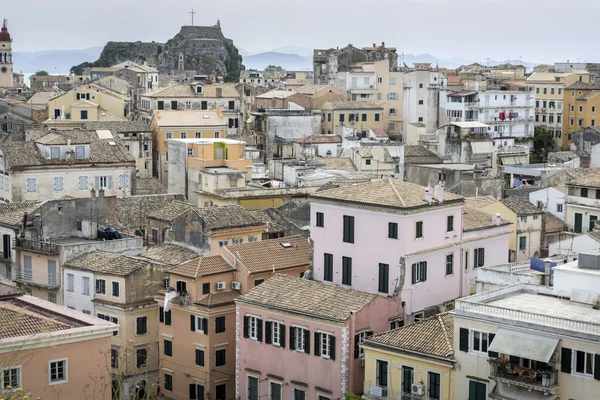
{"points": [[382, 376], [434, 389], [6, 246], [578, 223], [407, 379], [477, 390], [252, 388], [51, 272], [219, 153], [593, 219]]}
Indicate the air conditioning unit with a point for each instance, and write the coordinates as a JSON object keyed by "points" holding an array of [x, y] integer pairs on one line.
{"points": [[236, 285], [221, 285], [361, 362], [417, 389]]}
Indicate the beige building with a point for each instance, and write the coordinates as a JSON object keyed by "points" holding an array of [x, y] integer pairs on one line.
{"points": [[358, 115], [189, 124], [51, 351], [582, 208], [123, 292], [549, 97], [281, 99], [389, 94], [582, 107], [321, 94]]}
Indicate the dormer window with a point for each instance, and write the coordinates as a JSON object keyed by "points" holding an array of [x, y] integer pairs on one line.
{"points": [[199, 89], [54, 152]]}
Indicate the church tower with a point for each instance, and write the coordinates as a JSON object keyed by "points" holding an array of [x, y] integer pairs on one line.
{"points": [[6, 66]]}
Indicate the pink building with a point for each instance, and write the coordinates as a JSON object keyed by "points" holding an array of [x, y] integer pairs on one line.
{"points": [[298, 339], [388, 236]]}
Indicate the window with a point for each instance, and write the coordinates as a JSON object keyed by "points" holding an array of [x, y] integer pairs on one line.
{"points": [[173, 105], [420, 86], [376, 117], [320, 219], [83, 183], [217, 134], [221, 392], [100, 286], [161, 105], [199, 324], [342, 118], [168, 382], [449, 264], [115, 289], [114, 358], [275, 333], [396, 323], [559, 208], [141, 325], [392, 230], [31, 185], [584, 363], [237, 241], [328, 267], [220, 357], [478, 257], [275, 391], [479, 342], [154, 235], [219, 324], [325, 345], [419, 230], [584, 192], [183, 135], [381, 375], [181, 287], [346, 271], [204, 105], [70, 283], [58, 184], [419, 272], [198, 135], [197, 392], [200, 357], [258, 282], [252, 388], [433, 385], [52, 297], [79, 151], [420, 119], [384, 278], [169, 135], [477, 390], [83, 114], [522, 243], [253, 327], [141, 355], [420, 102], [368, 162], [299, 339], [523, 219], [11, 377], [206, 288], [592, 224], [571, 122], [364, 117], [348, 229], [168, 347], [58, 371], [450, 223]]}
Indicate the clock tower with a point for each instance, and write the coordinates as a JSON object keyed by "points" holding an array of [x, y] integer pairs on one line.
{"points": [[6, 65]]}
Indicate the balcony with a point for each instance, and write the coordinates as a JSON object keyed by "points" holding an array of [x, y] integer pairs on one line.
{"points": [[49, 249], [33, 277], [583, 201], [362, 90], [544, 379]]}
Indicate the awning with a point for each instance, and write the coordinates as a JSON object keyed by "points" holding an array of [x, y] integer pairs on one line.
{"points": [[514, 160], [469, 124], [482, 147], [525, 345], [251, 119]]}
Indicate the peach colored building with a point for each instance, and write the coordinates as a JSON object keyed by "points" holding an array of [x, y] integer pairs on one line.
{"points": [[52, 352]]}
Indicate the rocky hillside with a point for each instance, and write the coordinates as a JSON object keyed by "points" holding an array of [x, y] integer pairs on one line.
{"points": [[203, 49]]}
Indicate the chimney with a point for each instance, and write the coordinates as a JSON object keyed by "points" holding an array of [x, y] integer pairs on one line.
{"points": [[382, 44], [219, 92], [374, 45], [438, 193], [496, 219], [428, 194]]}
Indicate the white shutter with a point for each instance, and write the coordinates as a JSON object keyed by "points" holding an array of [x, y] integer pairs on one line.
{"points": [[83, 183], [97, 182], [109, 182]]}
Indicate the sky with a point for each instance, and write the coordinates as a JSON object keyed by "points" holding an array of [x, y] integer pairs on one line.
{"points": [[536, 30]]}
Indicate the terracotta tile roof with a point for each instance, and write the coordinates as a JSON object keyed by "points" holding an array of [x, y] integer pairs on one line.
{"points": [[480, 201], [107, 263], [269, 255], [132, 211], [385, 192], [583, 85], [189, 118], [296, 295], [12, 213], [352, 105], [187, 91], [145, 186], [202, 266], [554, 224], [589, 180], [521, 206], [169, 254], [379, 133], [218, 298], [319, 139], [266, 218], [225, 217], [344, 163], [589, 95], [116, 127], [18, 321], [277, 94], [418, 154], [475, 219], [172, 210], [434, 336]]}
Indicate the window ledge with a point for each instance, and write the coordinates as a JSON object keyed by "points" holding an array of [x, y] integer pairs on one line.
{"points": [[52, 383]]}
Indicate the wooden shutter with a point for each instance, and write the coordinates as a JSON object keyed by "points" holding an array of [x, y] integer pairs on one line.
{"points": [[192, 391], [332, 347], [464, 340], [200, 357], [259, 330], [424, 263], [597, 367], [109, 182], [168, 317], [351, 229], [292, 338], [246, 326], [317, 344], [268, 331], [307, 341], [193, 323], [492, 354], [161, 314], [205, 326], [282, 335], [414, 273], [565, 360], [356, 348]]}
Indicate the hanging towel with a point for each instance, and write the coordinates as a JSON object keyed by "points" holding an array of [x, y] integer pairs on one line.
{"points": [[516, 114], [510, 115], [168, 297], [502, 116]]}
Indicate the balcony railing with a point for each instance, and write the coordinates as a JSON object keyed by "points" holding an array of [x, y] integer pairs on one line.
{"points": [[533, 379], [36, 247], [37, 278], [583, 201]]}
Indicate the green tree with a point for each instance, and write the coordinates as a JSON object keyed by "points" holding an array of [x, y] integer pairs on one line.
{"points": [[274, 68], [542, 144], [42, 73], [352, 396]]}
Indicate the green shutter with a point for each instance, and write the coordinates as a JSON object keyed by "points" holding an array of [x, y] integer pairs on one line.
{"points": [[565, 360], [356, 347], [205, 326], [193, 323], [464, 340], [492, 354], [597, 367], [268, 330], [317, 344], [424, 270], [246, 326], [259, 329], [292, 338], [282, 335], [332, 347]]}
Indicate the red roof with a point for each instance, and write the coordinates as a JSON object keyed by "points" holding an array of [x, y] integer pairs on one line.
{"points": [[379, 133], [319, 139], [4, 35]]}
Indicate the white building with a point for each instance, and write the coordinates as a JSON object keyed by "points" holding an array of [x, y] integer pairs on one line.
{"points": [[551, 200], [360, 85], [421, 99], [510, 114], [67, 163]]}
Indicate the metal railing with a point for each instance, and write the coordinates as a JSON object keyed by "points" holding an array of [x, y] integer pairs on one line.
{"points": [[36, 247], [37, 278], [542, 379]]}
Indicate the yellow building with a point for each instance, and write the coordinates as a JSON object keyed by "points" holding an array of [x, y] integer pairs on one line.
{"points": [[360, 115], [548, 88], [415, 360], [167, 125], [89, 102], [582, 108]]}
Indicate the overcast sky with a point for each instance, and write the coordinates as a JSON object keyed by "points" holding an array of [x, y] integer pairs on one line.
{"points": [[536, 30]]}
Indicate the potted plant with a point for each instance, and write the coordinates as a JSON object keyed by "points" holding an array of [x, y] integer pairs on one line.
{"points": [[546, 377]]}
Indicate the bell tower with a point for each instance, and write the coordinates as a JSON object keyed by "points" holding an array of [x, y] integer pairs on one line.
{"points": [[6, 65]]}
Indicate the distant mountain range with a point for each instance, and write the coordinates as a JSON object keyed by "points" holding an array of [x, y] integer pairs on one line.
{"points": [[288, 57]]}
